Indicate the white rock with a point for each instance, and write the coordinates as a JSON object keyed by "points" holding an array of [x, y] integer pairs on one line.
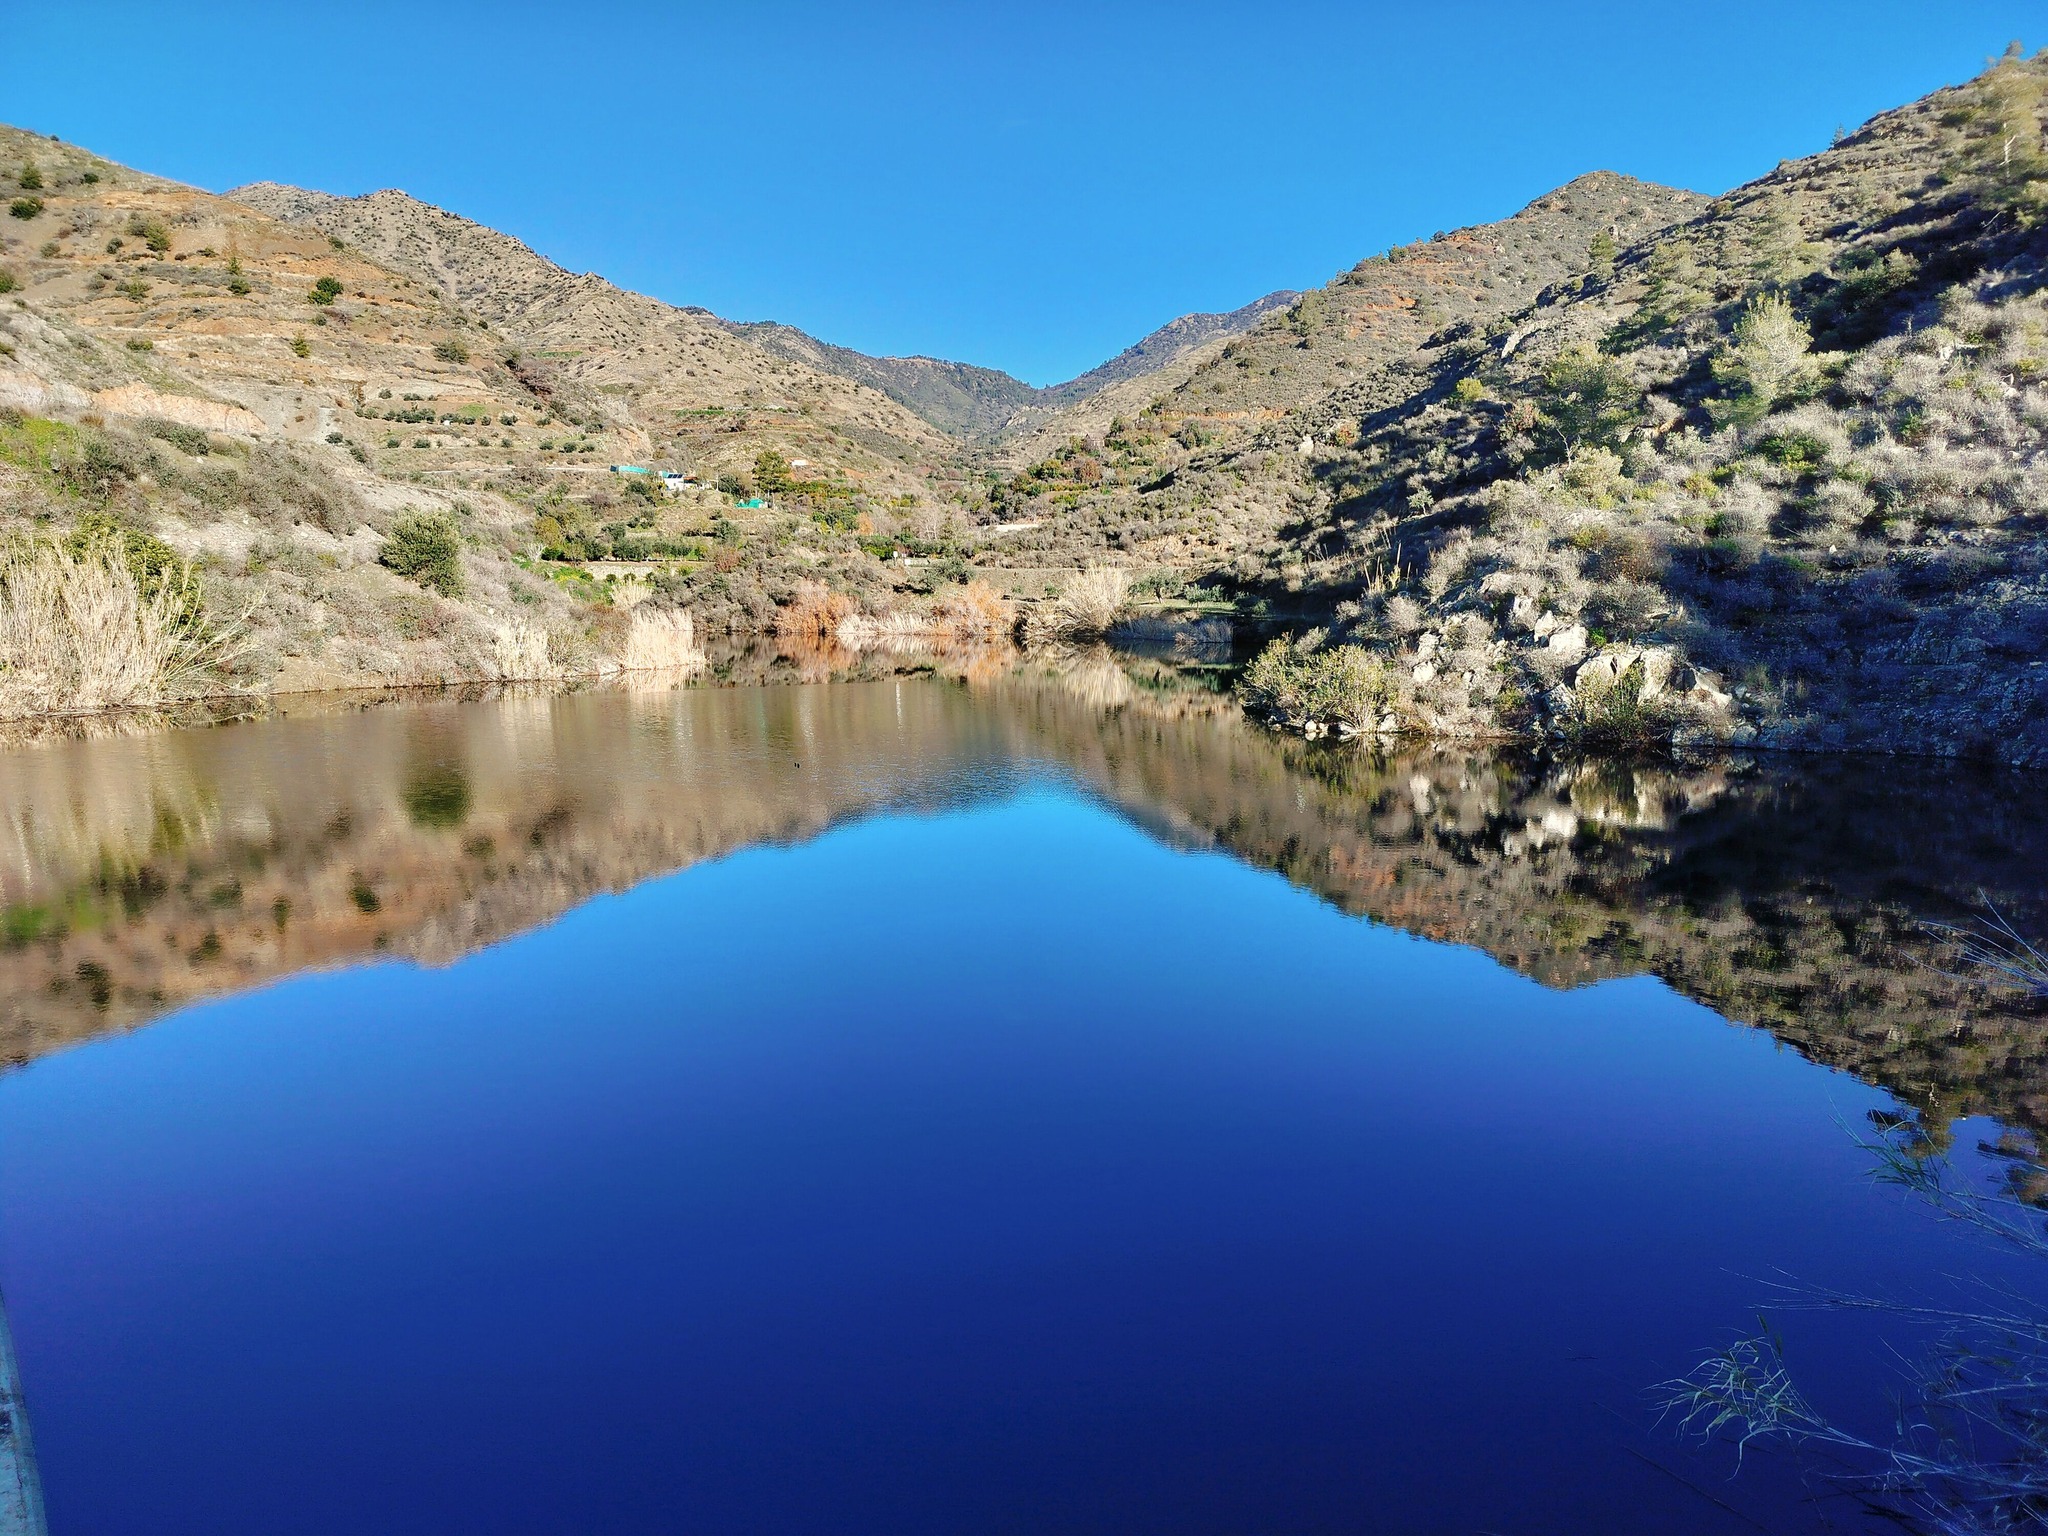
{"points": [[1424, 671], [1568, 644]]}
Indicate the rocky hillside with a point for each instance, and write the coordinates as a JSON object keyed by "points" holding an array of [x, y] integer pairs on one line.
{"points": [[496, 276], [1775, 472], [970, 402], [1190, 480], [293, 458], [648, 366]]}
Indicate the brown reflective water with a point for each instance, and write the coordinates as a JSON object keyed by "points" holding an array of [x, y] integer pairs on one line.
{"points": [[142, 872]]}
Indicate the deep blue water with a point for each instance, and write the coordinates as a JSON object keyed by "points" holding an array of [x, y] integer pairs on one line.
{"points": [[997, 1168]]}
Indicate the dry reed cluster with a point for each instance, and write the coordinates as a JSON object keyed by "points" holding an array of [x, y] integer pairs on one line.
{"points": [[79, 633]]}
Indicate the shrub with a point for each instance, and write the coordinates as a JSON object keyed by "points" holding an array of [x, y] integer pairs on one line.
{"points": [[300, 346], [814, 614], [25, 207], [29, 178], [1297, 679], [325, 291], [975, 611], [135, 290], [1619, 719], [80, 631], [1765, 361], [8, 281], [186, 439], [1091, 602], [89, 177], [426, 547], [151, 232], [450, 349], [771, 472], [1587, 400]]}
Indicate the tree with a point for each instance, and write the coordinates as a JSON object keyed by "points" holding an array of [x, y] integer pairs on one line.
{"points": [[1600, 255], [1588, 400], [1767, 360], [771, 472], [325, 291]]}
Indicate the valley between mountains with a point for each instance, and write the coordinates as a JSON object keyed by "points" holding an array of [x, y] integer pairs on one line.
{"points": [[1633, 468]]}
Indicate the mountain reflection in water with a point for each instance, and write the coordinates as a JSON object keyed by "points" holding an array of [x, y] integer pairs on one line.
{"points": [[141, 873]]}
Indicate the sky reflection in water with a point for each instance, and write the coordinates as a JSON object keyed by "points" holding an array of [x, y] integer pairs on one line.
{"points": [[984, 1163]]}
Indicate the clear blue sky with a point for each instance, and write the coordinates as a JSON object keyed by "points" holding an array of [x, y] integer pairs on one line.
{"points": [[1029, 186]]}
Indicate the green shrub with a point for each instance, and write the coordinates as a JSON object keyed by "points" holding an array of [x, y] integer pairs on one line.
{"points": [[301, 347], [450, 349], [238, 286], [1588, 400], [325, 291], [1300, 679], [25, 207], [8, 281], [151, 232], [29, 178], [1764, 363], [1619, 719], [140, 344], [426, 547], [89, 177], [186, 439], [135, 290], [771, 472]]}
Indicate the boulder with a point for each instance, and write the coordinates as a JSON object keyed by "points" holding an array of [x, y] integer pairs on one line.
{"points": [[1567, 644]]}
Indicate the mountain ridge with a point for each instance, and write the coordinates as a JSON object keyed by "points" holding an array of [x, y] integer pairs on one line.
{"points": [[978, 404]]}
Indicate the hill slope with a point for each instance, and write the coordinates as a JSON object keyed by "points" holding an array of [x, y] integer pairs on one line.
{"points": [[1164, 487], [497, 276], [1776, 471]]}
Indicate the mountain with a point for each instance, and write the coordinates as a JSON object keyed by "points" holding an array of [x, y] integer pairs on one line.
{"points": [[1166, 346], [495, 275], [1163, 487], [654, 360], [1778, 472], [960, 398]]}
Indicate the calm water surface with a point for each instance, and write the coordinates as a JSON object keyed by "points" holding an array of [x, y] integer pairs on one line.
{"points": [[901, 1108]]}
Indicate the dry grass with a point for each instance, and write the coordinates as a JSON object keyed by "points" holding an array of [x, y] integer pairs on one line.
{"points": [[78, 634], [814, 614], [1091, 603], [521, 652], [661, 640], [976, 611]]}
